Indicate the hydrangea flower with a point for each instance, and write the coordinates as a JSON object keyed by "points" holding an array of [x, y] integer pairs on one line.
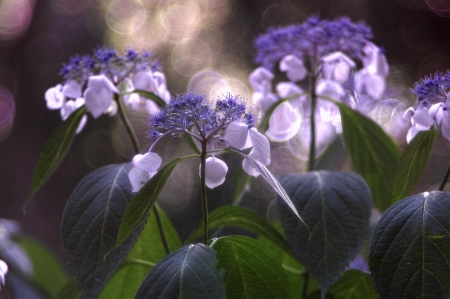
{"points": [[3, 272], [228, 122], [93, 80], [325, 50], [432, 107]]}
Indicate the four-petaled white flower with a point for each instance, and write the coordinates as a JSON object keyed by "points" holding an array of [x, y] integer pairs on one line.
{"points": [[337, 66], [440, 115], [420, 121], [294, 68], [3, 272], [145, 167], [98, 94], [261, 82], [150, 81], [215, 171]]}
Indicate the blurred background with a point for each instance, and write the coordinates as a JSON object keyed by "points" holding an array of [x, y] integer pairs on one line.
{"points": [[203, 45]]}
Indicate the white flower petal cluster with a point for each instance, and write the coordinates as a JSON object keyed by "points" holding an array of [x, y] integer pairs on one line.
{"points": [[3, 272]]}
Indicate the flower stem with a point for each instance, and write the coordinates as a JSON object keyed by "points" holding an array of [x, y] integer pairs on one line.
{"points": [[444, 180], [161, 229], [312, 146], [126, 122], [203, 193]]}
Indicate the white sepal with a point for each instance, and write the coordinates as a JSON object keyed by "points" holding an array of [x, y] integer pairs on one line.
{"points": [[215, 171]]}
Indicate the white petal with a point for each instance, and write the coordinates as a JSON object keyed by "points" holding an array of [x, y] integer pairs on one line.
{"points": [[436, 112], [338, 56], [294, 68], [3, 271], [149, 162], [421, 117], [446, 125], [408, 113], [138, 177], [260, 80], [261, 146], [97, 102], [330, 89], [375, 86], [132, 101], [67, 109], [263, 101], [54, 97], [151, 107], [284, 123], [143, 80], [112, 109], [236, 134], [82, 124], [72, 89], [337, 66], [215, 171], [99, 82], [291, 91]]}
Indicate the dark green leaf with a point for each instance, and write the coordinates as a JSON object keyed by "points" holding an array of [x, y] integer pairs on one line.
{"points": [[234, 216], [147, 250], [143, 201], [69, 290], [270, 179], [150, 95], [410, 248], [55, 150], [373, 153], [337, 207], [353, 284], [251, 269], [294, 270], [189, 272], [412, 163], [90, 225], [48, 273]]}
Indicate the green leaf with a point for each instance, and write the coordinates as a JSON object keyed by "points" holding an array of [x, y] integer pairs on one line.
{"points": [[234, 216], [147, 250], [90, 225], [270, 179], [353, 284], [410, 248], [243, 182], [144, 200], [69, 290], [251, 269], [48, 272], [295, 271], [412, 163], [373, 153], [55, 150], [150, 95], [337, 206], [189, 272]]}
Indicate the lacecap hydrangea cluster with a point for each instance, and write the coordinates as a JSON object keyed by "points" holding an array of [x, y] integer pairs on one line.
{"points": [[92, 80], [227, 121]]}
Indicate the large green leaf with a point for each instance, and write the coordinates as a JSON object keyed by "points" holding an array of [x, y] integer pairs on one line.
{"points": [[150, 95], [251, 269], [48, 272], [190, 272], [144, 200], [90, 225], [373, 153], [69, 290], [234, 216], [337, 207], [410, 248], [295, 271], [353, 284], [147, 250], [412, 163], [55, 150]]}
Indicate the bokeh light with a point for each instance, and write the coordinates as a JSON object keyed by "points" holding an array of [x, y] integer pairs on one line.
{"points": [[125, 16], [439, 7], [7, 112], [15, 17]]}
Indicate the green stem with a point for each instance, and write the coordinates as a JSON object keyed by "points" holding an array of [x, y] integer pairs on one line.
{"points": [[312, 146], [130, 260], [203, 193], [126, 122], [444, 180], [305, 285], [161, 229]]}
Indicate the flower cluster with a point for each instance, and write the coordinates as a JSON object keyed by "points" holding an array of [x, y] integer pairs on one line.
{"points": [[323, 50], [92, 81], [228, 121], [433, 102]]}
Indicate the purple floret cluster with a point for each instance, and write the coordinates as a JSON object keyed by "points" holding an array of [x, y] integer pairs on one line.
{"points": [[432, 89], [312, 39]]}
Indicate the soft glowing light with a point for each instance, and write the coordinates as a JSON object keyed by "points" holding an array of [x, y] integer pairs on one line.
{"points": [[7, 112], [15, 16], [191, 55], [125, 16]]}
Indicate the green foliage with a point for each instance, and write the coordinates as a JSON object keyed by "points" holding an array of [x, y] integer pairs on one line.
{"points": [[337, 206], [410, 248], [69, 290], [189, 272], [150, 95], [55, 150], [251, 269], [412, 163]]}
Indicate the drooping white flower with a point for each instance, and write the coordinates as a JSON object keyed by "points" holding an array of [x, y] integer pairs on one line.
{"points": [[54, 97], [69, 107], [237, 136], [294, 68], [98, 94], [440, 115], [145, 167], [215, 171], [72, 89], [337, 66], [261, 80], [153, 82], [424, 122], [284, 123], [3, 272]]}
